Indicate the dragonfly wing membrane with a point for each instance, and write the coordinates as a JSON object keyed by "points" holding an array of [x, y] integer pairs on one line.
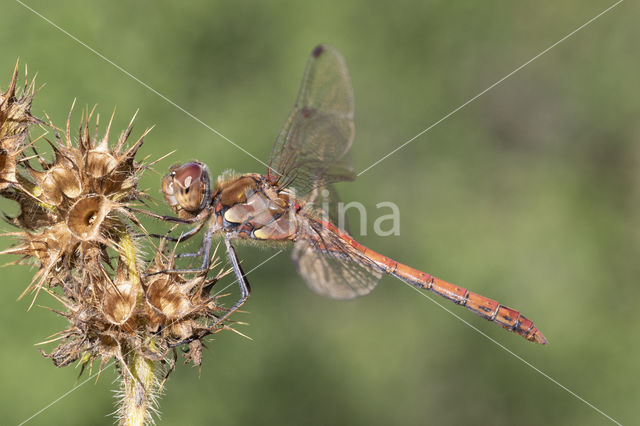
{"points": [[324, 202], [331, 268], [312, 148]]}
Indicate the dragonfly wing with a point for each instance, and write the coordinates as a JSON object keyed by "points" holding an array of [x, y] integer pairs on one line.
{"points": [[312, 150], [332, 268], [324, 202]]}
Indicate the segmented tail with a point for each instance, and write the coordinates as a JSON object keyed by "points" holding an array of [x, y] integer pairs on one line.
{"points": [[508, 318]]}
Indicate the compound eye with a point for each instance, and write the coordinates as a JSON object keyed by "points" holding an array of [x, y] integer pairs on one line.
{"points": [[187, 187], [188, 174]]}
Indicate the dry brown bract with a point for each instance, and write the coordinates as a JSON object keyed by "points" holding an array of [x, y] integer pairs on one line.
{"points": [[15, 119]]}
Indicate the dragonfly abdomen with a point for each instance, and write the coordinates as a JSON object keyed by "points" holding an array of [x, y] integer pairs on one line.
{"points": [[489, 309]]}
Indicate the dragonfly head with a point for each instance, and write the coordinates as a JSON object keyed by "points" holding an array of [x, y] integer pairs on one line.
{"points": [[187, 187]]}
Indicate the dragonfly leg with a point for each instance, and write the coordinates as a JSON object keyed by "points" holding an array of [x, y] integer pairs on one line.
{"points": [[205, 251], [183, 237], [243, 283], [173, 219], [241, 279], [195, 254]]}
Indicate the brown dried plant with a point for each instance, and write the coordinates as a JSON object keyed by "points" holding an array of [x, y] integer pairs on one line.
{"points": [[76, 227]]}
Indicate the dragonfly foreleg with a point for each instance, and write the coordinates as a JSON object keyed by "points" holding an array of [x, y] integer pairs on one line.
{"points": [[204, 251], [243, 283], [173, 219], [183, 237]]}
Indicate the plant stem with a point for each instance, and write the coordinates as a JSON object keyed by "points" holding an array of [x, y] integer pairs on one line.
{"points": [[138, 397], [138, 375]]}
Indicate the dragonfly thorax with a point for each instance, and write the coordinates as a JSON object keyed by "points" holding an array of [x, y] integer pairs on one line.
{"points": [[249, 206]]}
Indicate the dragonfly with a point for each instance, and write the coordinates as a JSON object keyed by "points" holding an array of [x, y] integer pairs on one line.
{"points": [[289, 204]]}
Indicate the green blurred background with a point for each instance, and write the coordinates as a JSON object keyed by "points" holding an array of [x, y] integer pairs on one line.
{"points": [[529, 195]]}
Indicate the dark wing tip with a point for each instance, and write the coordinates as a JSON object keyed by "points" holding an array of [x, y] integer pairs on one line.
{"points": [[317, 51]]}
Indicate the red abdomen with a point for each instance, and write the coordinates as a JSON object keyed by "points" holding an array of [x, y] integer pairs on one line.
{"points": [[489, 309]]}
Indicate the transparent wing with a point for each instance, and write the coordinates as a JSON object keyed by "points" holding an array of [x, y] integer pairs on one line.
{"points": [[312, 149], [323, 202], [331, 267]]}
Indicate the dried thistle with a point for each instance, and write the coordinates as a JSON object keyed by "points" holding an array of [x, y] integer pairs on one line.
{"points": [[15, 119], [72, 208], [76, 227]]}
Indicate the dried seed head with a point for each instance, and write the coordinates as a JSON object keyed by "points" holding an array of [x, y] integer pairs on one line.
{"points": [[15, 119], [82, 193], [74, 217], [75, 225], [114, 320], [181, 307]]}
